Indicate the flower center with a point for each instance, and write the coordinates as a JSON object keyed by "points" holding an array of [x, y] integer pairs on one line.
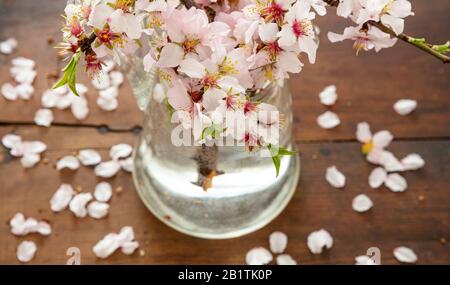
{"points": [[361, 43], [273, 13], [249, 107], [273, 49], [302, 28], [196, 96], [209, 81], [189, 45], [367, 147]]}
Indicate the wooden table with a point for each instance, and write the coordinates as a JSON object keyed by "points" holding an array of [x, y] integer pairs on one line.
{"points": [[368, 86]]}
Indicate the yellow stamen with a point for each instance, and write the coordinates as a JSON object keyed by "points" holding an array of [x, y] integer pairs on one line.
{"points": [[367, 147]]}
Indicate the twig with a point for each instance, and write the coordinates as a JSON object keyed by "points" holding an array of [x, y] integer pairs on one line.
{"points": [[419, 43]]}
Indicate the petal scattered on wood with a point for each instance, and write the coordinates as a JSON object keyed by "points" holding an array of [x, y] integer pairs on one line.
{"points": [[335, 177]]}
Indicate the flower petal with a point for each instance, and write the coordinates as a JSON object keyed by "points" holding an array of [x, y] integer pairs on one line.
{"points": [[405, 254], [285, 259], [101, 81], [103, 192], [43, 117], [107, 169], [362, 203], [11, 141], [171, 55], [364, 260], [117, 78], [79, 108], [278, 242], [78, 204], [89, 157], [62, 197], [192, 68], [26, 251], [98, 210], [107, 104], [335, 177], [412, 161], [390, 162], [317, 240], [129, 247], [106, 246], [328, 120], [127, 164], [382, 139], [405, 106], [396, 183], [328, 96], [122, 150], [258, 256], [30, 159], [68, 161], [109, 93], [377, 177], [9, 91], [363, 133]]}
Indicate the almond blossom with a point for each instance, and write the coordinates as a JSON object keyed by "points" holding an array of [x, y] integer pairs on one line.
{"points": [[365, 38], [389, 12], [374, 147], [298, 32]]}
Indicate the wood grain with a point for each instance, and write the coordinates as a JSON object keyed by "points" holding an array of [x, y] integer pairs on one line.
{"points": [[368, 85], [396, 219]]}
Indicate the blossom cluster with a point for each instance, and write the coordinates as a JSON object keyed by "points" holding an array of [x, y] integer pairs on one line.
{"points": [[390, 13], [213, 57]]}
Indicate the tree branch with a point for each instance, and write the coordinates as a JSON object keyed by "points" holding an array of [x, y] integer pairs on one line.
{"points": [[419, 43]]}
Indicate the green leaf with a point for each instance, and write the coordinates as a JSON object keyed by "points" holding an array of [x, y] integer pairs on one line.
{"points": [[70, 75], [276, 162], [277, 152]]}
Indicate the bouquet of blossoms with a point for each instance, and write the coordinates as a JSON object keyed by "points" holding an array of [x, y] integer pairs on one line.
{"points": [[213, 56]]}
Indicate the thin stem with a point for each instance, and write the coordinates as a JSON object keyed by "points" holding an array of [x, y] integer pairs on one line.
{"points": [[419, 43]]}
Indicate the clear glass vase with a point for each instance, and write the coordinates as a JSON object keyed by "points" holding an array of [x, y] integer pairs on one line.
{"points": [[244, 197]]}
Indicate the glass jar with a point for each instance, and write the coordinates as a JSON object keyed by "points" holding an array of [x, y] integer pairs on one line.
{"points": [[244, 196]]}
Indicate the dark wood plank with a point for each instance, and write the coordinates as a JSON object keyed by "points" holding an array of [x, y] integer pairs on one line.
{"points": [[368, 85], [396, 219]]}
